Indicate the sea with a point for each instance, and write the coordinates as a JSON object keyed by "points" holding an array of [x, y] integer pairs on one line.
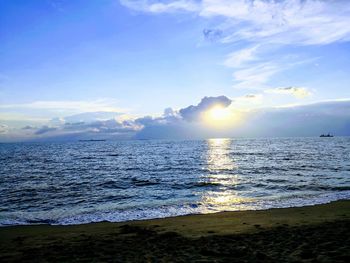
{"points": [[81, 182]]}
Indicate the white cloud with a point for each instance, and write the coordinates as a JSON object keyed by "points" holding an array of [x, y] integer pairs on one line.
{"points": [[106, 105], [239, 58], [302, 22], [4, 116], [91, 116], [308, 120], [161, 7], [193, 113], [298, 92], [255, 77], [285, 22]]}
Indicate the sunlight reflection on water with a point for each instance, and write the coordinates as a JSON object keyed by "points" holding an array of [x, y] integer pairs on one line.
{"points": [[221, 166], [218, 158]]}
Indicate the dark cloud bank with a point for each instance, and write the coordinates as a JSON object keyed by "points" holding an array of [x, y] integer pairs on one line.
{"points": [[306, 120]]}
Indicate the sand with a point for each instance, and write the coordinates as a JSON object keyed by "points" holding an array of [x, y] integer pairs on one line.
{"points": [[318, 233]]}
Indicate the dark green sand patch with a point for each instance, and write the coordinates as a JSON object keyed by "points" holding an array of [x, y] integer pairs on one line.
{"points": [[161, 241]]}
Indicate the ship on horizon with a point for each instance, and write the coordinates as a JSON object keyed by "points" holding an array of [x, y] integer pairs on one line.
{"points": [[326, 135]]}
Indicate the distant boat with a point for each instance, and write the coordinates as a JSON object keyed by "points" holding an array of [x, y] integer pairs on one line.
{"points": [[93, 140], [326, 135]]}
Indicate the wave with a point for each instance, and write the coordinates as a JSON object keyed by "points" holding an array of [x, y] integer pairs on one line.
{"points": [[170, 211], [195, 185], [141, 182], [110, 184]]}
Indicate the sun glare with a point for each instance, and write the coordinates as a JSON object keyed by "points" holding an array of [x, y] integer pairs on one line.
{"points": [[218, 115], [221, 117]]}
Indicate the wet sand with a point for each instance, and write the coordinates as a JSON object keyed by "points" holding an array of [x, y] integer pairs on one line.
{"points": [[318, 233]]}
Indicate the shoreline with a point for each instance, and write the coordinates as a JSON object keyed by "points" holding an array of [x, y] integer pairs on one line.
{"points": [[168, 212], [132, 240]]}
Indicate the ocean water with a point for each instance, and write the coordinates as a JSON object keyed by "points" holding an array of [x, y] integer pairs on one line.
{"points": [[81, 182]]}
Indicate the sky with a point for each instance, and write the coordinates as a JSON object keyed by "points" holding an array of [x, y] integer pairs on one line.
{"points": [[173, 69]]}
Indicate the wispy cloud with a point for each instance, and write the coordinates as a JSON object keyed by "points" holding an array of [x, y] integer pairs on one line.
{"points": [[255, 77], [239, 58], [298, 92], [258, 75], [303, 22], [161, 7], [277, 23], [106, 105]]}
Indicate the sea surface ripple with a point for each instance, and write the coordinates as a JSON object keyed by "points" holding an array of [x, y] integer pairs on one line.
{"points": [[82, 182]]}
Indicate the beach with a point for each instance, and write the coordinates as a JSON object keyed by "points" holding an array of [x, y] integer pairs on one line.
{"points": [[319, 233]]}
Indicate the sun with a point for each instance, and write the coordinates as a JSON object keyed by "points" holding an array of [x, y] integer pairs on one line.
{"points": [[217, 116], [220, 117], [219, 113]]}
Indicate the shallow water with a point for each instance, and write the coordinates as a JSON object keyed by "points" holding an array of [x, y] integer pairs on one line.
{"points": [[81, 182]]}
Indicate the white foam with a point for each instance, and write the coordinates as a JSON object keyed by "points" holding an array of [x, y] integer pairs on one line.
{"points": [[175, 210]]}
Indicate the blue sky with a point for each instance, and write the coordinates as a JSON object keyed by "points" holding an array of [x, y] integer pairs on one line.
{"points": [[130, 59]]}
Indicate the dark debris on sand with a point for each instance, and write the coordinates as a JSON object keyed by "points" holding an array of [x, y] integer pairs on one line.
{"points": [[326, 242]]}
